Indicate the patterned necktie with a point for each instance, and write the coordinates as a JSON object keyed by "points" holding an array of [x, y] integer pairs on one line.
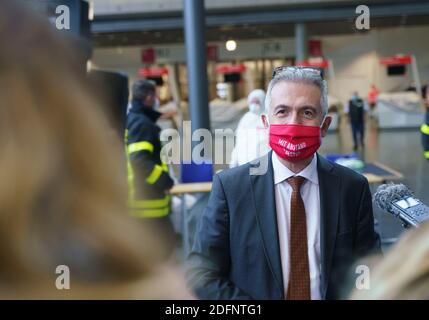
{"points": [[299, 276]]}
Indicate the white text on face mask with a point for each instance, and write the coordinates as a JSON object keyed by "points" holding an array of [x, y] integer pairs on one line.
{"points": [[292, 147]]}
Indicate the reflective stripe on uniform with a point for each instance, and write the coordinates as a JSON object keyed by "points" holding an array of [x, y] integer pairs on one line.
{"points": [[150, 208], [424, 129], [130, 170], [150, 203], [164, 166], [155, 174], [131, 190], [426, 154], [140, 146], [151, 213]]}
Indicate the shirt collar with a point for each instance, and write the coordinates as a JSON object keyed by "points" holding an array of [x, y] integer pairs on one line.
{"points": [[281, 172]]}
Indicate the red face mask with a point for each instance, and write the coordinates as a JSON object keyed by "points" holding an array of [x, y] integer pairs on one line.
{"points": [[294, 142]]}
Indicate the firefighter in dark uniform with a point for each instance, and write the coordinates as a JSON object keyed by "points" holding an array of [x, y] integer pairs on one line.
{"points": [[425, 126], [148, 177]]}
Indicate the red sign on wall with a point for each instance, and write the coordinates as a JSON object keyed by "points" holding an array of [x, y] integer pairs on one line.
{"points": [[212, 53], [315, 48], [148, 56]]}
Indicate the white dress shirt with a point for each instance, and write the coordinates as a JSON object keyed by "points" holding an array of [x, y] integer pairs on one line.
{"points": [[311, 199]]}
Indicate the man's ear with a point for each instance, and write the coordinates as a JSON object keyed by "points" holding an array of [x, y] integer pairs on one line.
{"points": [[325, 126], [265, 121]]}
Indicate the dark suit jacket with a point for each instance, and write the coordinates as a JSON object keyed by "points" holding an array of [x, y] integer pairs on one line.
{"points": [[236, 251]]}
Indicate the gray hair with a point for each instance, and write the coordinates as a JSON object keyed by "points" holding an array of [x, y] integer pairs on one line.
{"points": [[301, 75], [141, 88]]}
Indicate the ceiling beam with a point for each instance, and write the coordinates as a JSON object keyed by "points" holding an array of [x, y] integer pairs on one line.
{"points": [[393, 9]]}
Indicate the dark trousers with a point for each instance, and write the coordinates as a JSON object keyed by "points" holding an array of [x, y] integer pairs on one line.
{"points": [[358, 130]]}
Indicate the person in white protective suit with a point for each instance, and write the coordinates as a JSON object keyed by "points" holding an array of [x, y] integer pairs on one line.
{"points": [[251, 136]]}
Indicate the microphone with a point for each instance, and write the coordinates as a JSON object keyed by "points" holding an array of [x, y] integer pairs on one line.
{"points": [[398, 200]]}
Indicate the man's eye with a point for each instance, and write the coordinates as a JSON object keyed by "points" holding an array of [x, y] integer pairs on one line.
{"points": [[308, 113]]}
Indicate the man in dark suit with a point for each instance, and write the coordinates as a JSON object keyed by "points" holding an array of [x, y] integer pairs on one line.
{"points": [[288, 225]]}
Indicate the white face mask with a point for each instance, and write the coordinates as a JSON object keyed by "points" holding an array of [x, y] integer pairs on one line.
{"points": [[222, 93], [255, 108]]}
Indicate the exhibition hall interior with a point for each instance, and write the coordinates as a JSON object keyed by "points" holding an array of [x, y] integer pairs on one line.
{"points": [[140, 177]]}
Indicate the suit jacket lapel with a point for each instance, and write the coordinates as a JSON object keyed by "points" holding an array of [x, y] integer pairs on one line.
{"points": [[330, 192], [264, 200]]}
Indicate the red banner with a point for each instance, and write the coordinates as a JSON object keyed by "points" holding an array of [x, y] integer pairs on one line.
{"points": [[314, 63], [395, 60], [227, 68], [153, 72]]}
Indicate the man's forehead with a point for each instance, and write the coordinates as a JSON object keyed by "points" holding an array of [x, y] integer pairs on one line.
{"points": [[293, 85], [295, 90]]}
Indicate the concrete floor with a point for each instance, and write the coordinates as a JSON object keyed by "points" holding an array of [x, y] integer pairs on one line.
{"points": [[399, 149]]}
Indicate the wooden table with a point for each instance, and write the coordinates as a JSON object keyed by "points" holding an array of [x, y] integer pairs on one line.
{"points": [[191, 188]]}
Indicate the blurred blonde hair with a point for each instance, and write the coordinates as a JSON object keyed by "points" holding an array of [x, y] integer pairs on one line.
{"points": [[63, 186], [404, 271]]}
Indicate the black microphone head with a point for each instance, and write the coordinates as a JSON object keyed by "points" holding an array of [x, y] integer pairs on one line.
{"points": [[388, 193]]}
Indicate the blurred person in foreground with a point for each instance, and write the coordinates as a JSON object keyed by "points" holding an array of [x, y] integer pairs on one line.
{"points": [[63, 187], [290, 231], [251, 136], [403, 272]]}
